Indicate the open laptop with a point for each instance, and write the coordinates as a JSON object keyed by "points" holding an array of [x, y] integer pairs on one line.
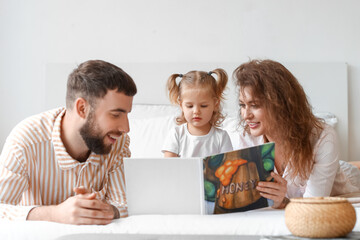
{"points": [[164, 185]]}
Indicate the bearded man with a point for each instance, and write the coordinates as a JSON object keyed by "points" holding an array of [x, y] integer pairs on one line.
{"points": [[66, 165]]}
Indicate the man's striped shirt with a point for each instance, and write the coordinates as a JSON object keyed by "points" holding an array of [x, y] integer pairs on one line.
{"points": [[36, 170]]}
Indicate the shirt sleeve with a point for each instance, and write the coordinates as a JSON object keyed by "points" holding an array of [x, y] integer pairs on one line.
{"points": [[226, 145], [13, 182], [326, 154], [116, 194], [171, 142]]}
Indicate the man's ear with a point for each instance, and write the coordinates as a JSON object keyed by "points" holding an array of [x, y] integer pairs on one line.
{"points": [[82, 107]]}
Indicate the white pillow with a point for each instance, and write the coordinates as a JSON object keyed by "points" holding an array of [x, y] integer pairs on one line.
{"points": [[140, 111], [149, 125], [147, 135], [329, 118]]}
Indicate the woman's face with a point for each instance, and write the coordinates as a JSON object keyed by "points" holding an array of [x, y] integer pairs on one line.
{"points": [[253, 113]]}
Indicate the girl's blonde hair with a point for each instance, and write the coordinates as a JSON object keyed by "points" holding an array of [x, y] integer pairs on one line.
{"points": [[288, 110], [199, 79]]}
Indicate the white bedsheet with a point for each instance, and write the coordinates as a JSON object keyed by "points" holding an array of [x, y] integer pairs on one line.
{"points": [[265, 221]]}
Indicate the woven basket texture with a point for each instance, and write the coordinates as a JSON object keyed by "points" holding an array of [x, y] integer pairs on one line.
{"points": [[328, 217]]}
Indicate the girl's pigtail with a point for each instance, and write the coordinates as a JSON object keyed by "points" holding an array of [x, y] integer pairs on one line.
{"points": [[173, 88], [222, 79], [221, 82]]}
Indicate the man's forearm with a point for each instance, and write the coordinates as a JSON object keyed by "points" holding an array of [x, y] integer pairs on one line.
{"points": [[41, 213], [82, 209]]}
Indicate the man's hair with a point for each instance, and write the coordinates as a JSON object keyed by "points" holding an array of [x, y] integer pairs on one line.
{"points": [[92, 79]]}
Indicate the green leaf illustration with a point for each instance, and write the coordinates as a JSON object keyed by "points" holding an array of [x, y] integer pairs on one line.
{"points": [[267, 149], [268, 164], [215, 161], [209, 191]]}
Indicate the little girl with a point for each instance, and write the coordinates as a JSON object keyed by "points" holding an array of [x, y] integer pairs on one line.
{"points": [[199, 96]]}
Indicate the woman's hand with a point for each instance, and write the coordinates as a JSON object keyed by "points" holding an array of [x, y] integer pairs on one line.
{"points": [[275, 191]]}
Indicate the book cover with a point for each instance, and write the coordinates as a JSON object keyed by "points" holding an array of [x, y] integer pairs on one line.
{"points": [[230, 179]]}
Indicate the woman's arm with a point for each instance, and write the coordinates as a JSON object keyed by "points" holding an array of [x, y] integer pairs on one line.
{"points": [[326, 156]]}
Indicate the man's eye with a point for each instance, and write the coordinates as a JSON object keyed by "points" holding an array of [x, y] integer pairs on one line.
{"points": [[242, 105], [115, 115]]}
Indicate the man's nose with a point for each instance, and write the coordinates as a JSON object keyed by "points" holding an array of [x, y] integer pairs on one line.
{"points": [[124, 125]]}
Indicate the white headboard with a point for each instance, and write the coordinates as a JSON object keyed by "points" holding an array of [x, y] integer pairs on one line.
{"points": [[325, 84]]}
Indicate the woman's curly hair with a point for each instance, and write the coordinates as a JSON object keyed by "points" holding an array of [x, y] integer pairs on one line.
{"points": [[287, 108]]}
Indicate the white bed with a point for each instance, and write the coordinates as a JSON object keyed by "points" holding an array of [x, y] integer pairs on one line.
{"points": [[261, 222], [149, 121]]}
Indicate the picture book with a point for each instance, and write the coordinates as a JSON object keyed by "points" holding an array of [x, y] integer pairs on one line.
{"points": [[230, 179]]}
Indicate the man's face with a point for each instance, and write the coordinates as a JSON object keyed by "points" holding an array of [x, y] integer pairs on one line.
{"points": [[107, 122]]}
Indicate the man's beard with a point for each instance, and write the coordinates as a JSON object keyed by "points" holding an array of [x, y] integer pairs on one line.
{"points": [[93, 140]]}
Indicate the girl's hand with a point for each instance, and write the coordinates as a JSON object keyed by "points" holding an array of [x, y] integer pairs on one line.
{"points": [[170, 154], [275, 191]]}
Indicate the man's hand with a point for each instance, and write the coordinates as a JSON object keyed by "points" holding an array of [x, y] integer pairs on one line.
{"points": [[84, 208], [83, 190]]}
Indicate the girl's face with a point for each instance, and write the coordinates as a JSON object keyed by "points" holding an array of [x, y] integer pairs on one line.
{"points": [[198, 106], [253, 113]]}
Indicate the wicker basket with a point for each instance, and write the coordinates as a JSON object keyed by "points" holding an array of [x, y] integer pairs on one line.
{"points": [[327, 217]]}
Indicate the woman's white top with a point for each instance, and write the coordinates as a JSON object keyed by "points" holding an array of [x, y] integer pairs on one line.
{"points": [[182, 143], [329, 177]]}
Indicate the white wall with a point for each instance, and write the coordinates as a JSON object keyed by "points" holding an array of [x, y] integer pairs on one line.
{"points": [[35, 33]]}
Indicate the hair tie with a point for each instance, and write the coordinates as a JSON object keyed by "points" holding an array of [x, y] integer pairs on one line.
{"points": [[210, 72], [177, 80]]}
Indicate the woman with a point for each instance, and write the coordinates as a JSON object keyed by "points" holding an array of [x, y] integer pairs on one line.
{"points": [[274, 107]]}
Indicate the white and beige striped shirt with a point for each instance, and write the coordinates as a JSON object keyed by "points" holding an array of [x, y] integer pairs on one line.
{"points": [[35, 168]]}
